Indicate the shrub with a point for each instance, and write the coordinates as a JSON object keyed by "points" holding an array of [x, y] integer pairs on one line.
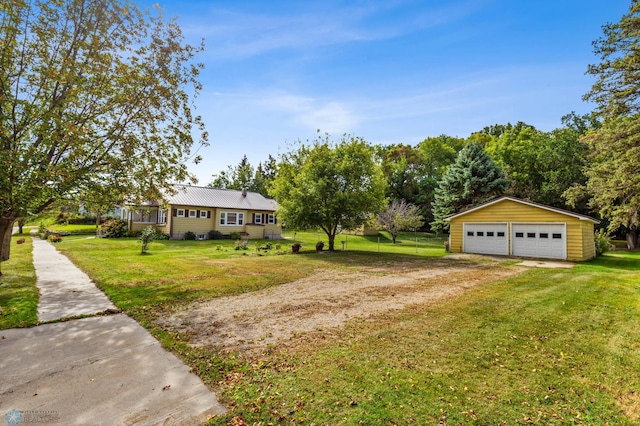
{"points": [[116, 228], [147, 235], [131, 234], [161, 236], [234, 235], [603, 242], [189, 235], [54, 238], [215, 235]]}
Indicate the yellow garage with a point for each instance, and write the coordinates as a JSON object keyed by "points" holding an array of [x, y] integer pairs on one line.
{"points": [[510, 226]]}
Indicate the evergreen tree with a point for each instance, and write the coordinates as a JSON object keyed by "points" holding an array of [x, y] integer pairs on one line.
{"points": [[473, 179]]}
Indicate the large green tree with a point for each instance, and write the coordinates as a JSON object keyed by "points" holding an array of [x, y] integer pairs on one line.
{"points": [[541, 166], [328, 185], [90, 88], [471, 180], [616, 91], [613, 171], [614, 174]]}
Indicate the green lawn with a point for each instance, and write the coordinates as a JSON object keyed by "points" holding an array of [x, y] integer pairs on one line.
{"points": [[18, 292], [73, 229], [550, 346]]}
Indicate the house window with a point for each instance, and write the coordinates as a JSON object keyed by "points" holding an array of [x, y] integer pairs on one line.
{"points": [[500, 234], [203, 214], [544, 235], [271, 219], [231, 218], [162, 216], [489, 234], [519, 234], [480, 234], [180, 213], [257, 219], [470, 233], [557, 236], [193, 213]]}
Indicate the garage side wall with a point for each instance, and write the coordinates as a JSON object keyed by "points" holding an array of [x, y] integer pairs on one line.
{"points": [[510, 211], [588, 243]]}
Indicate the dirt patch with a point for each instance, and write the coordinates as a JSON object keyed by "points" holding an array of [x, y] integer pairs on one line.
{"points": [[328, 299]]}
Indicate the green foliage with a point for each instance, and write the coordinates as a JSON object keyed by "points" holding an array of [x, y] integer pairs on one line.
{"points": [[319, 245], [328, 185], [616, 91], [147, 235], [215, 235], [614, 181], [603, 242], [541, 166], [159, 235], [114, 228], [244, 176], [234, 236], [189, 235], [93, 94], [473, 179]]}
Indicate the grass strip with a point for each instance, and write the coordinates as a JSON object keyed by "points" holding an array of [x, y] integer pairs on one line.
{"points": [[18, 291]]}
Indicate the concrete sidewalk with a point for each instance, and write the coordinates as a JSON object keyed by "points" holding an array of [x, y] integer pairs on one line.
{"points": [[103, 370], [65, 290]]}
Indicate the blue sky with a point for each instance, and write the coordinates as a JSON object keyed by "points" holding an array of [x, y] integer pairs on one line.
{"points": [[393, 71]]}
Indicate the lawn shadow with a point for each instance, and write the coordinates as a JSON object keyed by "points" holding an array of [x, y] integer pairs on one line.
{"points": [[626, 260]]}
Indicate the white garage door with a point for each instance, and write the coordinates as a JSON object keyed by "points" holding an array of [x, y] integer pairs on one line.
{"points": [[539, 240], [485, 238]]}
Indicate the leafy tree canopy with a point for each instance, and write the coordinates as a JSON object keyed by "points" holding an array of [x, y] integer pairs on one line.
{"points": [[616, 91], [327, 185], [89, 89]]}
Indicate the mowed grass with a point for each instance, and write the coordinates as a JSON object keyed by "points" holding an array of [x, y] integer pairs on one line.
{"points": [[550, 346], [182, 271], [18, 291]]}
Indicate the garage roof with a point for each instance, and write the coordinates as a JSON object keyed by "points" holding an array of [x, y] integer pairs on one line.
{"points": [[530, 203]]}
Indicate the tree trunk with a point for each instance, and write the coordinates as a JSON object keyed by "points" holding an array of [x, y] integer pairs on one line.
{"points": [[632, 239], [6, 229], [20, 224], [393, 238]]}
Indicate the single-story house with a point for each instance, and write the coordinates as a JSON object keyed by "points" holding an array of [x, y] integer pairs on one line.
{"points": [[202, 209], [513, 227]]}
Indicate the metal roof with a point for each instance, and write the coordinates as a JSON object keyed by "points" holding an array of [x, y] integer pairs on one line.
{"points": [[530, 203], [201, 196]]}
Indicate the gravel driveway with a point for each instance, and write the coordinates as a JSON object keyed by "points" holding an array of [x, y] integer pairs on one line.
{"points": [[329, 298]]}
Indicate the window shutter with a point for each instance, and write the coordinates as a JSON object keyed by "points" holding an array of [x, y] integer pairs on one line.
{"points": [[175, 212], [198, 213], [264, 218], [208, 214], [186, 213], [253, 218], [275, 219]]}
